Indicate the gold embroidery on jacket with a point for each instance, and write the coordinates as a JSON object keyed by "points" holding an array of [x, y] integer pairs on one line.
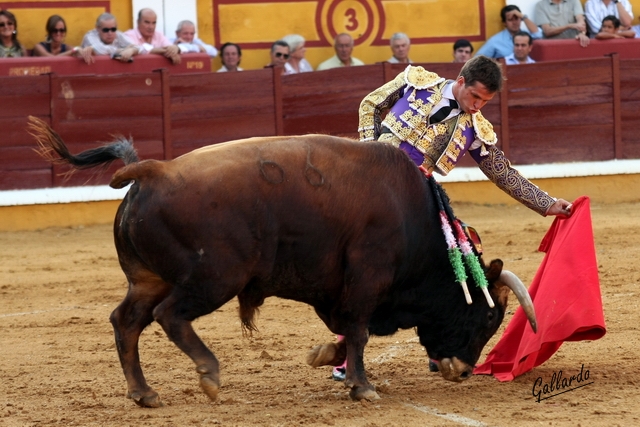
{"points": [[484, 129], [442, 143], [419, 78], [372, 106]]}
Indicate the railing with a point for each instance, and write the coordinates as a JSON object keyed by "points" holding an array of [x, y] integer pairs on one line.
{"points": [[564, 49], [578, 110], [65, 65]]}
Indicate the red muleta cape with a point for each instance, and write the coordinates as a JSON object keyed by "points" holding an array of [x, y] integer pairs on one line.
{"points": [[566, 297]]}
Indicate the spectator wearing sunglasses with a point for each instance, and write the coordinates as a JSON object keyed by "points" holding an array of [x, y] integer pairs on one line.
{"points": [[149, 40], [343, 45], [54, 44], [279, 54], [105, 39], [10, 47]]}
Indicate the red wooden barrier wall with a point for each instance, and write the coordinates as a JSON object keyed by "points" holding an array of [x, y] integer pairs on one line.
{"points": [[580, 110]]}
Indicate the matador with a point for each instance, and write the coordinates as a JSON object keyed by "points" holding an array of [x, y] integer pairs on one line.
{"points": [[436, 121]]}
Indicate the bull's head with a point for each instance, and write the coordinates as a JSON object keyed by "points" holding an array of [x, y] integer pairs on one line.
{"points": [[457, 338]]}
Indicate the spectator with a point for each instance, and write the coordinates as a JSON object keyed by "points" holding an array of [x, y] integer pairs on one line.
{"points": [[562, 19], [610, 29], [462, 50], [10, 47], [230, 55], [296, 63], [188, 42], [279, 54], [400, 45], [54, 44], [501, 44], [149, 40], [105, 39], [596, 10], [522, 43], [636, 29], [343, 45]]}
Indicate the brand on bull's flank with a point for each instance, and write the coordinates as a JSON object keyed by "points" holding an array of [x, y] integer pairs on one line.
{"points": [[559, 384]]}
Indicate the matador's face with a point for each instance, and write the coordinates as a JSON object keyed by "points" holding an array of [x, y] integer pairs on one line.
{"points": [[473, 97]]}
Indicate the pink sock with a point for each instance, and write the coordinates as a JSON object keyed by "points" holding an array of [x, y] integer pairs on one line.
{"points": [[344, 365]]}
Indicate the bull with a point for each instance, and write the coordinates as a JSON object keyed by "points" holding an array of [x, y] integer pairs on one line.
{"points": [[349, 228]]}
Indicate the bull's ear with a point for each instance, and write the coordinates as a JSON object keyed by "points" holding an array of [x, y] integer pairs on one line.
{"points": [[500, 293], [494, 270]]}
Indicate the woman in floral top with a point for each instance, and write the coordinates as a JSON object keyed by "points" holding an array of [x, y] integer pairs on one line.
{"points": [[10, 47]]}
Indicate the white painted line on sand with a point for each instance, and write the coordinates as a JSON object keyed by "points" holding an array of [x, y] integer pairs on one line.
{"points": [[451, 417], [399, 349], [393, 351], [26, 313]]}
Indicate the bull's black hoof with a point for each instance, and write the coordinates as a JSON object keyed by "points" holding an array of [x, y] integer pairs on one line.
{"points": [[433, 366]]}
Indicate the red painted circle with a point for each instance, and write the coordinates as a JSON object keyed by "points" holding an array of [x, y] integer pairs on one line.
{"points": [[368, 29]]}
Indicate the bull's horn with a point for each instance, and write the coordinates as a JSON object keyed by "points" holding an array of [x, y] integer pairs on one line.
{"points": [[515, 284]]}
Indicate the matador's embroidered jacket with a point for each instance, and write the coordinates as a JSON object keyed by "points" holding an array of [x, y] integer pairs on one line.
{"points": [[438, 147]]}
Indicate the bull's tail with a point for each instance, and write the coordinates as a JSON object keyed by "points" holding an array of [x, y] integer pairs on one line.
{"points": [[53, 149]]}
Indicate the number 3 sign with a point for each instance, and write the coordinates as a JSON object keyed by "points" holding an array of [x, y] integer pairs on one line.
{"points": [[358, 18]]}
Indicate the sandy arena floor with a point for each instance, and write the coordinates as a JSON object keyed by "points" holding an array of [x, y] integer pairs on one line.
{"points": [[59, 366]]}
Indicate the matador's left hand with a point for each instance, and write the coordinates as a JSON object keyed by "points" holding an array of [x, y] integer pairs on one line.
{"points": [[560, 208]]}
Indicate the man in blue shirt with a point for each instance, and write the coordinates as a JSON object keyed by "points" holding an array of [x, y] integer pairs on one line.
{"points": [[501, 44], [522, 42]]}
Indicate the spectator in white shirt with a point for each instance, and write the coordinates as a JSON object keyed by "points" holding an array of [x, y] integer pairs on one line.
{"points": [[296, 62], [188, 42], [596, 10]]}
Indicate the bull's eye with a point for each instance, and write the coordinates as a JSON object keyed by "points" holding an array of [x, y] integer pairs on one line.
{"points": [[490, 316]]}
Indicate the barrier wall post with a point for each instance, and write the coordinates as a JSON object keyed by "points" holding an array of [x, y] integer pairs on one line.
{"points": [[387, 72], [277, 98], [56, 179], [166, 114], [504, 112], [617, 106]]}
